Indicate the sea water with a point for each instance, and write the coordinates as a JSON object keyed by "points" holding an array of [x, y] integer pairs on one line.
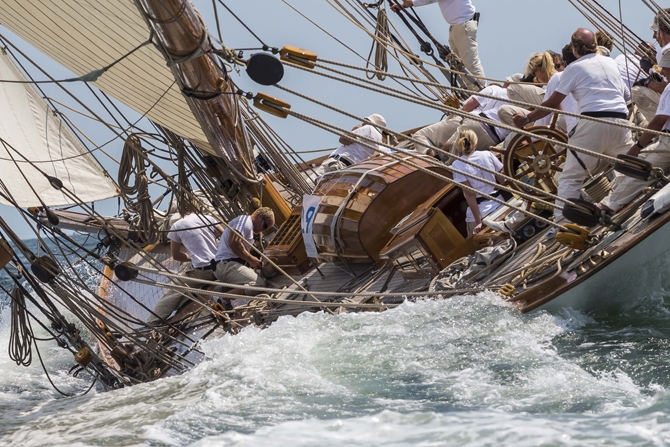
{"points": [[465, 371]]}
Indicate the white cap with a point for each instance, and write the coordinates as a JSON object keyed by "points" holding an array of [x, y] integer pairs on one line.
{"points": [[516, 77], [376, 119]]}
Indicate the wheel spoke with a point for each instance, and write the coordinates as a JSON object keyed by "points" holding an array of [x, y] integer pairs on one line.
{"points": [[522, 174]]}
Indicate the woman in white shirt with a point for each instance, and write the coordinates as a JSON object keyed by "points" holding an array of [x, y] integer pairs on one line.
{"points": [[478, 207]]}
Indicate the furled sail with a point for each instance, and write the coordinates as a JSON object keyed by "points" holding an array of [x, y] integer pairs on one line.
{"points": [[86, 35], [34, 142]]}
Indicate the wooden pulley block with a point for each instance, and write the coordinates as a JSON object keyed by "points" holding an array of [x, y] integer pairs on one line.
{"points": [[6, 253], [126, 271], [83, 356], [582, 212], [45, 269], [634, 167]]}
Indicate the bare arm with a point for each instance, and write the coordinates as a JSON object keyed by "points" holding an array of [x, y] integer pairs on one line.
{"points": [[656, 124], [238, 247], [345, 140], [177, 254], [218, 231], [472, 203], [471, 105], [658, 87]]}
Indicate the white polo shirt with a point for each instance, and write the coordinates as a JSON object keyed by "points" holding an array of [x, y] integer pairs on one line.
{"points": [[487, 160], [595, 83], [356, 152], [200, 243], [244, 226], [569, 104], [629, 67], [455, 12], [489, 107]]}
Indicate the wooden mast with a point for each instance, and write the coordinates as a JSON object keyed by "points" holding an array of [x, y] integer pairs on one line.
{"points": [[203, 79]]}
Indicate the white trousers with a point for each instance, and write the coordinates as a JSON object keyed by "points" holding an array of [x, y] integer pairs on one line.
{"points": [[597, 137], [329, 165], [463, 42], [528, 93], [646, 100], [625, 188], [235, 273], [173, 299], [436, 134]]}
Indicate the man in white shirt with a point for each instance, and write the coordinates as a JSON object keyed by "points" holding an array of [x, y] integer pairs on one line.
{"points": [[625, 189], [192, 240], [487, 134], [646, 96], [595, 83], [463, 24], [352, 152], [234, 262], [438, 134]]}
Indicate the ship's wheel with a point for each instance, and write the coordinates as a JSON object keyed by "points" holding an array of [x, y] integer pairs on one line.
{"points": [[535, 162]]}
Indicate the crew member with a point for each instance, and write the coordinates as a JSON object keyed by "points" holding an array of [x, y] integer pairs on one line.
{"points": [[487, 134], [647, 95], [540, 68], [565, 123], [625, 188], [234, 262], [353, 152], [478, 207], [463, 21], [192, 240], [595, 83]]}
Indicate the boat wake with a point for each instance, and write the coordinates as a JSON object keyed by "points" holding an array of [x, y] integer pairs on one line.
{"points": [[465, 371]]}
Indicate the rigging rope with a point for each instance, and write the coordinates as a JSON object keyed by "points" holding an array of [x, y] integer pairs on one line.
{"points": [[21, 337], [379, 45]]}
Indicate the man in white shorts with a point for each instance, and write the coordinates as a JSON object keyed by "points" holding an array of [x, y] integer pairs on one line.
{"points": [[192, 240], [595, 83], [234, 262], [625, 189], [463, 22]]}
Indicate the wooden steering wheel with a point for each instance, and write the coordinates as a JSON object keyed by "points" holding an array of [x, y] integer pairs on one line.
{"points": [[535, 162]]}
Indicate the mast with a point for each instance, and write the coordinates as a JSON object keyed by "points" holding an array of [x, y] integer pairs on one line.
{"points": [[210, 94]]}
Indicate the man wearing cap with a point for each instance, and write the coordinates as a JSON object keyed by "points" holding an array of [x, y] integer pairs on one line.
{"points": [[647, 95], [625, 189], [192, 240], [595, 83], [352, 152], [463, 22]]}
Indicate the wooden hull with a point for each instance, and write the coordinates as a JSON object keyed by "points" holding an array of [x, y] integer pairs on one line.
{"points": [[634, 267], [363, 203]]}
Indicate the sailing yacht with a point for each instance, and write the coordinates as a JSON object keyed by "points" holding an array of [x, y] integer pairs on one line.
{"points": [[365, 238]]}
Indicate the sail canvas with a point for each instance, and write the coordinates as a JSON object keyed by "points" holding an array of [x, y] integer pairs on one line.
{"points": [[34, 143]]}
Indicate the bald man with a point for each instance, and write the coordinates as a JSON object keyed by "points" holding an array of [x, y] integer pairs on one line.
{"points": [[595, 83]]}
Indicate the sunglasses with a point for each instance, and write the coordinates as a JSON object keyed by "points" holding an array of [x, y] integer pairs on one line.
{"points": [[265, 224]]}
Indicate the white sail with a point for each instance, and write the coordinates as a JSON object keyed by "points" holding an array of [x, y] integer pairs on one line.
{"points": [[34, 142], [86, 35]]}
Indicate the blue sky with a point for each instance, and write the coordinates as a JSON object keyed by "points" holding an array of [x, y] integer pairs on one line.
{"points": [[509, 32]]}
